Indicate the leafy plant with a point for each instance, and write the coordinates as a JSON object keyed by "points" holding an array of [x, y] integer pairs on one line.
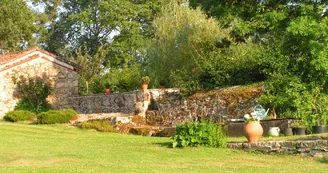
{"points": [[33, 94], [251, 118], [205, 133], [21, 115], [145, 80]]}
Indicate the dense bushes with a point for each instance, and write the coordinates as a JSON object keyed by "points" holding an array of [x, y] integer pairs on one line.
{"points": [[101, 126], [200, 133], [15, 116], [33, 94], [55, 116]]}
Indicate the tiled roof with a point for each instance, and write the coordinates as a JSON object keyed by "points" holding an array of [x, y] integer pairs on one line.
{"points": [[5, 59], [15, 55]]}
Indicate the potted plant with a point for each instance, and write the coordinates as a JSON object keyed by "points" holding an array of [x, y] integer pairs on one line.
{"points": [[253, 129], [298, 128], [320, 121], [317, 116], [107, 86], [145, 81], [162, 84]]}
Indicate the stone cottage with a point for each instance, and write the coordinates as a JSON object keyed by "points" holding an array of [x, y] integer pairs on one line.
{"points": [[37, 63]]}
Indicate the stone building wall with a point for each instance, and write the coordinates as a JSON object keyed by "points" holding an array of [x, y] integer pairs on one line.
{"points": [[63, 80]]}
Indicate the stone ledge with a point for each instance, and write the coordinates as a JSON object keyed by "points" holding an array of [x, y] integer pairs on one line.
{"points": [[315, 148]]}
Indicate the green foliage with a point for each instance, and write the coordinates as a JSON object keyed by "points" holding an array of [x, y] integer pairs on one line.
{"points": [[183, 36], [101, 126], [16, 25], [56, 116], [195, 52], [200, 133], [33, 95], [15, 116], [91, 67], [145, 80], [122, 80]]}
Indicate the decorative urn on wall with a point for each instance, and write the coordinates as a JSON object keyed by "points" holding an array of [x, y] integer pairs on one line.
{"points": [[144, 82]]}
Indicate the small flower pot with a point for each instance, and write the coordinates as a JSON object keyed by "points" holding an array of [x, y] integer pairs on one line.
{"points": [[253, 131], [319, 129], [144, 86], [299, 130], [288, 131], [107, 91]]}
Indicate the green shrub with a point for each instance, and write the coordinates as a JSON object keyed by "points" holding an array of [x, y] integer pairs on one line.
{"points": [[101, 126], [15, 116], [56, 116], [32, 94], [200, 133]]}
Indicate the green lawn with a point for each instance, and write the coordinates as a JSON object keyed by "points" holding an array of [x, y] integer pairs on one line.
{"points": [[61, 148]]}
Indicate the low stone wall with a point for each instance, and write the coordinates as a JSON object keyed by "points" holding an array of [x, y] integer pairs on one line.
{"points": [[316, 148], [169, 107], [132, 102]]}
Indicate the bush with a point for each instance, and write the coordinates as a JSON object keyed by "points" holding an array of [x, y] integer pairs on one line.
{"points": [[15, 116], [32, 94], [200, 133], [56, 116], [101, 126]]}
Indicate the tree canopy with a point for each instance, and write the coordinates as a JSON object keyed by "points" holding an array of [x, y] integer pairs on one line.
{"points": [[16, 25]]}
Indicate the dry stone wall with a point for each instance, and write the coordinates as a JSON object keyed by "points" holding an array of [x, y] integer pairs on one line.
{"points": [[315, 147], [169, 107], [126, 103], [63, 80]]}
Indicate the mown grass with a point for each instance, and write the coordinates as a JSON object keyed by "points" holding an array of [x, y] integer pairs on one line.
{"points": [[62, 148]]}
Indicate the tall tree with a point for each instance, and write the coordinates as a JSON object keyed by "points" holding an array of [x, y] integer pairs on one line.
{"points": [[121, 27], [184, 38], [125, 25], [16, 25]]}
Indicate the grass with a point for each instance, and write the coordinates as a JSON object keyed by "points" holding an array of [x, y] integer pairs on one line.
{"points": [[62, 148]]}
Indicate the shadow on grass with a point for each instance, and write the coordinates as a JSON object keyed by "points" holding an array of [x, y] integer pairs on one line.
{"points": [[164, 144], [323, 160]]}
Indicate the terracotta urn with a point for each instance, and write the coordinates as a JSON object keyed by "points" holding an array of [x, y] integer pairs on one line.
{"points": [[144, 86], [107, 91], [253, 131]]}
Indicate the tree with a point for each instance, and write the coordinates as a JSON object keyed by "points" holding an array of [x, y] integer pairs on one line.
{"points": [[184, 37], [16, 25], [121, 27], [91, 67]]}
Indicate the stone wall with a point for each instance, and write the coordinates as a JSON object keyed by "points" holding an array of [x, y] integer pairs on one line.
{"points": [[316, 147], [63, 80], [131, 102], [169, 107]]}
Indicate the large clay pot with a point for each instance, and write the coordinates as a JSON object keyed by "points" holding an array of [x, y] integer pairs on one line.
{"points": [[253, 131]]}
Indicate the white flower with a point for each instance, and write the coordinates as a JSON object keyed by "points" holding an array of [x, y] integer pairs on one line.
{"points": [[246, 116]]}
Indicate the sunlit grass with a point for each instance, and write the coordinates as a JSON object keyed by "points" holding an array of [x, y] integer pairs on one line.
{"points": [[62, 148]]}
